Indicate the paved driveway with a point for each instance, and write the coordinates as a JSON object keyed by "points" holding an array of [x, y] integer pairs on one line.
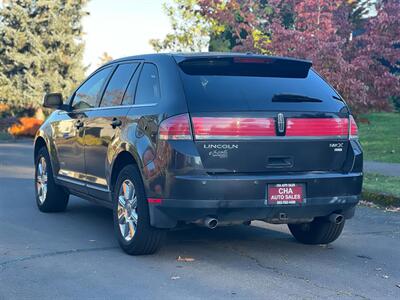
{"points": [[74, 254], [387, 169]]}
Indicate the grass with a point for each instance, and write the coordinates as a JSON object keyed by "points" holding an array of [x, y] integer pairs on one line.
{"points": [[383, 184], [381, 138], [382, 190]]}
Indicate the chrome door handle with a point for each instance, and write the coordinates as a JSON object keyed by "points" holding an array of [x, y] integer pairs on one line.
{"points": [[116, 123], [79, 124]]}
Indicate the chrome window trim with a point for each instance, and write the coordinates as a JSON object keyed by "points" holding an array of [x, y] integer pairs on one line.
{"points": [[109, 107]]}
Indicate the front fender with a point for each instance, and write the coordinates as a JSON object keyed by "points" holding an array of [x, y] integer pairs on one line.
{"points": [[45, 132]]}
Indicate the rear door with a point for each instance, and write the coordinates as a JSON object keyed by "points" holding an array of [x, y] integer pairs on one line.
{"points": [[264, 115], [103, 126], [143, 114]]}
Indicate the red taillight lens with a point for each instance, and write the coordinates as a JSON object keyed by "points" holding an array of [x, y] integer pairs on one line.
{"points": [[353, 128], [329, 127], [175, 128], [229, 128]]}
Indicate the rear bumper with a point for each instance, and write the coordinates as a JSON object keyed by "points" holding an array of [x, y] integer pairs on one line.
{"points": [[242, 198]]}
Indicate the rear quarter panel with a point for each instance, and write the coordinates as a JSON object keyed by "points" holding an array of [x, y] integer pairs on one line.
{"points": [[140, 136]]}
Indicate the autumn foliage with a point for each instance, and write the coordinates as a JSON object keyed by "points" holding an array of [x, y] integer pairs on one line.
{"points": [[4, 107], [356, 55], [26, 126]]}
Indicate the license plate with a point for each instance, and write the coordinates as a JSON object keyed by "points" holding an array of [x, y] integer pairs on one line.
{"points": [[285, 193]]}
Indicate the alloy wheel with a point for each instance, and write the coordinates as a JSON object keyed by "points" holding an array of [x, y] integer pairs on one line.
{"points": [[127, 210], [41, 180]]}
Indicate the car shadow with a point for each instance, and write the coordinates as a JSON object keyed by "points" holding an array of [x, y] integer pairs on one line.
{"points": [[84, 222], [193, 240]]}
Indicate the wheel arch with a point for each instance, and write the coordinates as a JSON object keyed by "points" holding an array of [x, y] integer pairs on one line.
{"points": [[42, 141], [39, 144], [121, 160]]}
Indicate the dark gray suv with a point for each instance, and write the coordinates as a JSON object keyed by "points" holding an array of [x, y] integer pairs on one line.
{"points": [[211, 139]]}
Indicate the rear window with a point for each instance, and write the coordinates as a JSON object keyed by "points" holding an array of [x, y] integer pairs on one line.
{"points": [[251, 85], [148, 90]]}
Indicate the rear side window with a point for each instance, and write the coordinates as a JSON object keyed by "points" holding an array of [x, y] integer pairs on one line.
{"points": [[148, 89], [86, 96], [117, 85], [130, 91], [249, 85]]}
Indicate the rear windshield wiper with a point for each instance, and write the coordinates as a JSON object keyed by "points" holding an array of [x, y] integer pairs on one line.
{"points": [[337, 98], [293, 98]]}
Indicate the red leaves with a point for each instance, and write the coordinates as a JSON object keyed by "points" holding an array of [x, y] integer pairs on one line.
{"points": [[352, 64], [357, 62]]}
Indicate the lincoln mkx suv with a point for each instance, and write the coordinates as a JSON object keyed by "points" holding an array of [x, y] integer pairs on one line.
{"points": [[210, 139]]}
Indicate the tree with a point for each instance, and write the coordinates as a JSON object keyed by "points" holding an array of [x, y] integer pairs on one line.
{"points": [[240, 23], [323, 33], [199, 25], [190, 29], [358, 65], [41, 49], [104, 58]]}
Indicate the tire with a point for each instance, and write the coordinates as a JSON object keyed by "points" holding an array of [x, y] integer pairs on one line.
{"points": [[50, 197], [140, 238], [319, 231]]}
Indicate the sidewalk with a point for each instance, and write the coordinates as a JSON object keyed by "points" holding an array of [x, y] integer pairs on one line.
{"points": [[387, 169]]}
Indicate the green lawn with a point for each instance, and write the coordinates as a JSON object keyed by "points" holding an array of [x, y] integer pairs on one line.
{"points": [[382, 184], [382, 190], [381, 138]]}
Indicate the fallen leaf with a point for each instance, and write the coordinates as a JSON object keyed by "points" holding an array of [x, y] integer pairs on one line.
{"points": [[393, 209], [185, 259]]}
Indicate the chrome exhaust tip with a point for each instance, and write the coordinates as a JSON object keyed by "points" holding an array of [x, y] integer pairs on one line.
{"points": [[210, 222], [336, 218]]}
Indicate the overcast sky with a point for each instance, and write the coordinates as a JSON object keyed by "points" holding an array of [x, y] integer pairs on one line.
{"points": [[122, 28]]}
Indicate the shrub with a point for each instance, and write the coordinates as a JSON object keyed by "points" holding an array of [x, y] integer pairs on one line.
{"points": [[25, 126], [4, 107], [396, 103]]}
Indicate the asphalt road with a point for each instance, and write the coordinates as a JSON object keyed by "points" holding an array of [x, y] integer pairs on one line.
{"points": [[387, 169], [74, 254]]}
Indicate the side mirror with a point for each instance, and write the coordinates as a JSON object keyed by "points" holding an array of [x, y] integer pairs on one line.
{"points": [[54, 100]]}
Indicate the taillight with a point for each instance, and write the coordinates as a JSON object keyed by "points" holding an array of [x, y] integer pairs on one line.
{"points": [[353, 129], [175, 128], [318, 127], [232, 128]]}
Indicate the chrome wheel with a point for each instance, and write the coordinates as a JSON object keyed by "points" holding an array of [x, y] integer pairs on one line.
{"points": [[127, 210], [41, 180]]}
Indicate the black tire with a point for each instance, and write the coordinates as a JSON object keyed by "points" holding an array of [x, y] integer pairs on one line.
{"points": [[146, 239], [319, 231], [56, 198]]}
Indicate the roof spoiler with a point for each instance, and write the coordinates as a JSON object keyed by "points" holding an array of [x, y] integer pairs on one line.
{"points": [[244, 65]]}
